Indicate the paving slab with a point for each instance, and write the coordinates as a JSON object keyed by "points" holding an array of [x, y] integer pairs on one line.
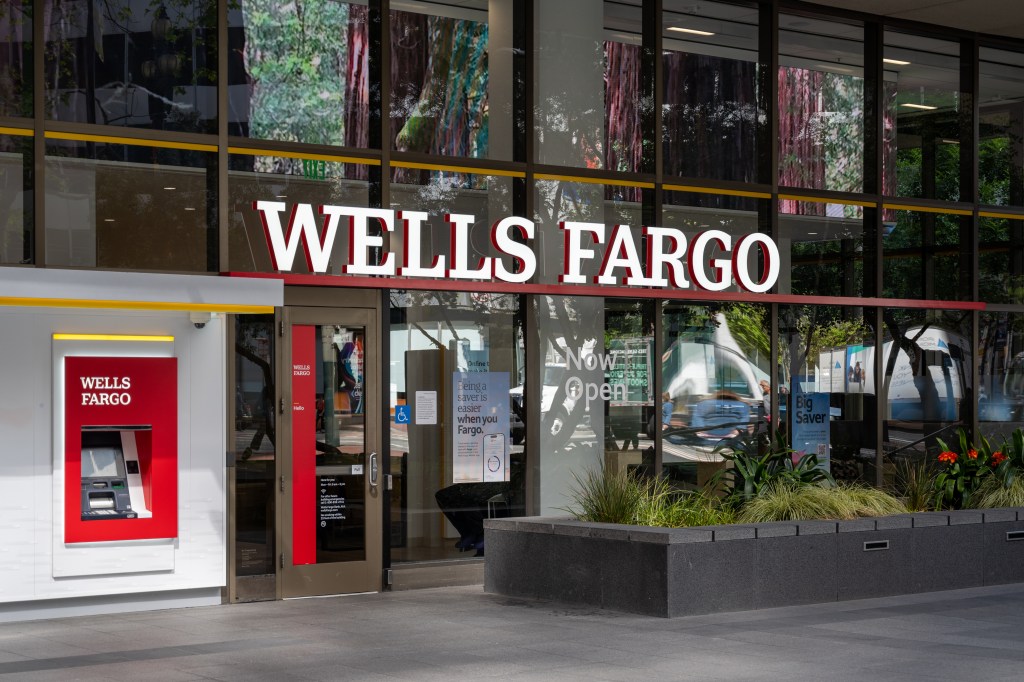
{"points": [[464, 633]]}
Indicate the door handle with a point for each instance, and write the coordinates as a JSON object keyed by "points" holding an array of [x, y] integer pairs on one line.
{"points": [[373, 469]]}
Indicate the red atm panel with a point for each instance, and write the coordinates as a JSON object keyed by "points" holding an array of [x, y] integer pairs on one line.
{"points": [[108, 394]]}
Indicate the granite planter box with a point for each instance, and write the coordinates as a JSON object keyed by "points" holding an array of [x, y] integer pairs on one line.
{"points": [[688, 571]]}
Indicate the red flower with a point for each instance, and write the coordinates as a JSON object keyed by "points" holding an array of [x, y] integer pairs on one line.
{"points": [[997, 457], [972, 454], [947, 457]]}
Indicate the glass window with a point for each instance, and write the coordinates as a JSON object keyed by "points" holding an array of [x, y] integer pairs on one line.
{"points": [[597, 407], [463, 353], [292, 181], [1001, 389], [563, 200], [15, 199], [828, 389], [821, 104], [824, 244], [694, 213], [299, 72], [922, 82], [714, 360], [1001, 260], [115, 63], [627, 358], [922, 255], [710, 115], [587, 84], [255, 446], [1001, 127], [438, 193], [451, 78], [927, 386], [130, 206], [16, 58]]}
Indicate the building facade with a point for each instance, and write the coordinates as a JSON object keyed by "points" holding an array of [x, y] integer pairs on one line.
{"points": [[296, 294]]}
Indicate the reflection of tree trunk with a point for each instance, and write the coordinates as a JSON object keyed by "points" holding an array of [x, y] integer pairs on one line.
{"points": [[915, 356], [622, 147], [711, 103]]}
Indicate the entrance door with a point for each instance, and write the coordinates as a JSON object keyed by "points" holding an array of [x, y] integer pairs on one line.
{"points": [[330, 481]]}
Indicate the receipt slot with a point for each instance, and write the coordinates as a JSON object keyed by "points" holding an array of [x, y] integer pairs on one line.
{"points": [[113, 485], [120, 440]]}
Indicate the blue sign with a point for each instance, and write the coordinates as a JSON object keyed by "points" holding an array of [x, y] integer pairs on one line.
{"points": [[402, 414], [810, 426]]}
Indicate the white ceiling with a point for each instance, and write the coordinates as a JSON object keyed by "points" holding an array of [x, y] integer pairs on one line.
{"points": [[996, 17]]}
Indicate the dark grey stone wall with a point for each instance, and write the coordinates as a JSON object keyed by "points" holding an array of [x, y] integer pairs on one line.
{"points": [[689, 571]]}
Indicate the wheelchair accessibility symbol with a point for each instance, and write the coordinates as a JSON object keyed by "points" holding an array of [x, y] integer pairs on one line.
{"points": [[402, 415]]}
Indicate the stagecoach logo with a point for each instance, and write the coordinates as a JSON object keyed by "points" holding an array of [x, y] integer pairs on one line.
{"points": [[712, 260]]}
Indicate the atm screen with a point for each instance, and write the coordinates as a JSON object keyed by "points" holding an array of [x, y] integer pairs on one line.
{"points": [[101, 463]]}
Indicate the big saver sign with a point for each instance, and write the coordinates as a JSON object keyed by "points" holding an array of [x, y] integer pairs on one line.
{"points": [[711, 260], [114, 392]]}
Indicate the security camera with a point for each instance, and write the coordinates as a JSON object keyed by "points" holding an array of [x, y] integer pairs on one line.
{"points": [[199, 320]]}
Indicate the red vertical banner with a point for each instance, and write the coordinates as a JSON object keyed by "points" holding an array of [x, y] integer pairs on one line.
{"points": [[303, 444], [114, 394]]}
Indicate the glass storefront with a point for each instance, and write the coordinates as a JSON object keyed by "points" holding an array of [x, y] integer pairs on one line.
{"points": [[457, 428], [114, 63], [130, 206], [299, 76], [16, 192], [711, 111], [893, 193]]}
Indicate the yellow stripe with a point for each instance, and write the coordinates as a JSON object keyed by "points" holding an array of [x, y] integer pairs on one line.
{"points": [[595, 181], [820, 200], [55, 135], [927, 209], [1008, 216], [457, 169], [16, 131], [111, 337], [299, 155], [24, 302], [712, 190]]}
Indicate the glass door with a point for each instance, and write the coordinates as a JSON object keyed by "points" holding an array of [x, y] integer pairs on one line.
{"points": [[330, 476]]}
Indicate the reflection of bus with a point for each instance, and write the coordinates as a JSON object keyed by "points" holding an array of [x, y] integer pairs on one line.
{"points": [[1011, 407], [947, 361]]}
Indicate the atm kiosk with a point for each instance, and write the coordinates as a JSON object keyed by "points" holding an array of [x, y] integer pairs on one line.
{"points": [[111, 474]]}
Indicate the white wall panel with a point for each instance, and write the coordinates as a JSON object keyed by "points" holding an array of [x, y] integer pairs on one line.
{"points": [[30, 505]]}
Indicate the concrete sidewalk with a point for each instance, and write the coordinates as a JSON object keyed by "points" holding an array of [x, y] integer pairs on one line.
{"points": [[463, 634]]}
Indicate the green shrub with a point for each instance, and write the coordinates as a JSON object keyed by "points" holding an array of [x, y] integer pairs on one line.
{"points": [[786, 501], [752, 466], [994, 493], [619, 497]]}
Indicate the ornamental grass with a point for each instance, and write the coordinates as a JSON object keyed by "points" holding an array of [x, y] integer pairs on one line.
{"points": [[993, 493], [784, 501], [620, 497]]}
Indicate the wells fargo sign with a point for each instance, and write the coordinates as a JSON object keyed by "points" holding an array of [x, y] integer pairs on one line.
{"points": [[711, 260]]}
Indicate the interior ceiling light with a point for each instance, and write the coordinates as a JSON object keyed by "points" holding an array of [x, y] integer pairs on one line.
{"points": [[911, 105], [897, 62], [170, 188], [189, 208], [694, 31], [108, 220]]}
